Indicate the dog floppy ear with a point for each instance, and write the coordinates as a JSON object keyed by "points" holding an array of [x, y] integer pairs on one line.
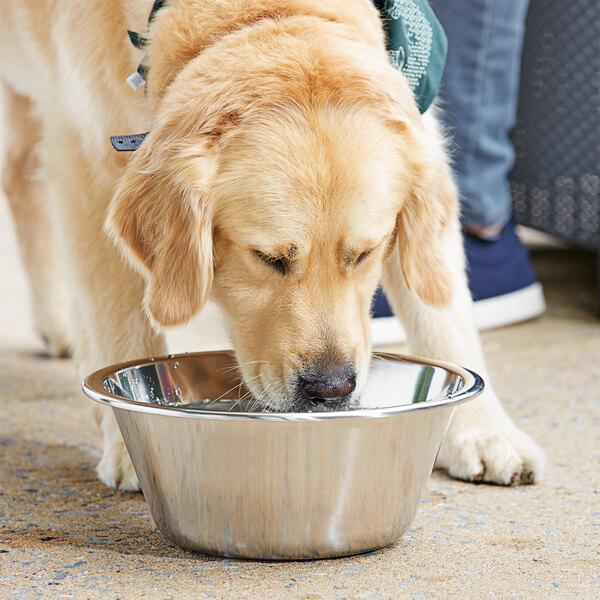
{"points": [[423, 218], [160, 219]]}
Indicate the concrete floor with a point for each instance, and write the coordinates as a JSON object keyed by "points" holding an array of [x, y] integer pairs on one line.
{"points": [[64, 535]]}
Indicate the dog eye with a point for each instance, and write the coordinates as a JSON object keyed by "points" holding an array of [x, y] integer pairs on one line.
{"points": [[279, 263], [362, 256]]}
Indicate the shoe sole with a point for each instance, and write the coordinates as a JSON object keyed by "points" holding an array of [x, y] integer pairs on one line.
{"points": [[491, 313]]}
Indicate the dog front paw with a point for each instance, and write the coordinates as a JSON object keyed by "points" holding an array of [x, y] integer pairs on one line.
{"points": [[116, 470], [501, 455]]}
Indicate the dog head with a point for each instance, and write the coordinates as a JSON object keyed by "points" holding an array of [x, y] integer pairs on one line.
{"points": [[281, 193]]}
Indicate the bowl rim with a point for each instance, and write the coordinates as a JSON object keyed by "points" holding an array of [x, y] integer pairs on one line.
{"points": [[93, 387]]}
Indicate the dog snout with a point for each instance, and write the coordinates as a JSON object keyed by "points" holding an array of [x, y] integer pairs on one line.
{"points": [[328, 385]]}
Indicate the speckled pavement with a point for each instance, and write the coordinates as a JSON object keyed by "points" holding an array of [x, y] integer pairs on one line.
{"points": [[64, 535]]}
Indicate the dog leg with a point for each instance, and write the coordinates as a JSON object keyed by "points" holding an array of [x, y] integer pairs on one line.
{"points": [[108, 314], [112, 327], [115, 468], [108, 322], [482, 442], [27, 199]]}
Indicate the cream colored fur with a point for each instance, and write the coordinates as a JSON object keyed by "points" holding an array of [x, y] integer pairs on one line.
{"points": [[278, 131]]}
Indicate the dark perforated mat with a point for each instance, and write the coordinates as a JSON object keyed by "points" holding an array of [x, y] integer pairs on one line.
{"points": [[556, 177]]}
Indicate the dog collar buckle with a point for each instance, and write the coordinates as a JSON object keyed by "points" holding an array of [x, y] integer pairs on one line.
{"points": [[127, 143]]}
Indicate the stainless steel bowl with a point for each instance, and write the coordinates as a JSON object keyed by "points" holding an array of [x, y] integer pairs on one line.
{"points": [[224, 478]]}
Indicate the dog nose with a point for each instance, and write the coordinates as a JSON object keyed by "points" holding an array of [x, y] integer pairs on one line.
{"points": [[328, 386]]}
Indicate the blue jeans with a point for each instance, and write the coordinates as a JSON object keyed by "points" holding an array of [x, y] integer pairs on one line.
{"points": [[478, 98]]}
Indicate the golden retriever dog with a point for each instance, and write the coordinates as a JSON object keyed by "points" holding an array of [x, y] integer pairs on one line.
{"points": [[286, 172]]}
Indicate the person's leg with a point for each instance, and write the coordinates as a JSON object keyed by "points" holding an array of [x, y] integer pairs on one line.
{"points": [[478, 100], [478, 97]]}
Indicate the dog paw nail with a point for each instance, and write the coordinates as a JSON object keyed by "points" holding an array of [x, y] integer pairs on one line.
{"points": [[514, 479], [478, 477]]}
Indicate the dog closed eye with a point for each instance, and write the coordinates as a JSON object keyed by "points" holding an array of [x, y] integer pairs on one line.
{"points": [[281, 264], [363, 255], [354, 259]]}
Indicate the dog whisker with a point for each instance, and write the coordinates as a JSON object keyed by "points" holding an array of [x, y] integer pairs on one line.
{"points": [[237, 385], [224, 394], [239, 366], [258, 401], [248, 394]]}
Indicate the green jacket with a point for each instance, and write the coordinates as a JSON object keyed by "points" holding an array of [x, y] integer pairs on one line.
{"points": [[417, 45]]}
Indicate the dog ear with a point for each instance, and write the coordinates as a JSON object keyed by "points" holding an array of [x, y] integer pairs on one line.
{"points": [[160, 218], [431, 202], [423, 218]]}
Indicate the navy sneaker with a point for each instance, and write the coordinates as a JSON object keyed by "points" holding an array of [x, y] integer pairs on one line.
{"points": [[502, 283], [501, 279]]}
